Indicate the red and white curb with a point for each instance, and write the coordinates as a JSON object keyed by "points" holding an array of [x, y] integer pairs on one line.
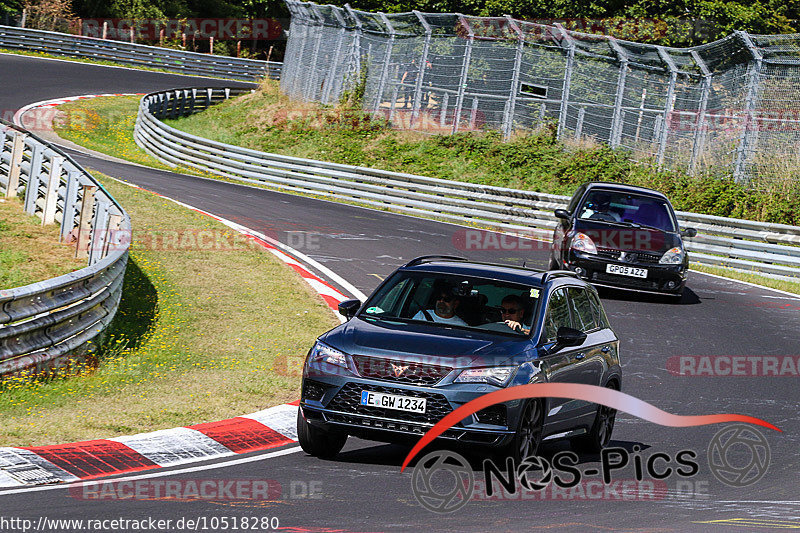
{"points": [[270, 428], [65, 463], [43, 121]]}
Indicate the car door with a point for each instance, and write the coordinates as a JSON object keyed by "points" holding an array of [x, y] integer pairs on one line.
{"points": [[562, 365]]}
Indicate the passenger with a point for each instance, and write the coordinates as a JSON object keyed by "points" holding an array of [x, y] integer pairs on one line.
{"points": [[444, 310]]}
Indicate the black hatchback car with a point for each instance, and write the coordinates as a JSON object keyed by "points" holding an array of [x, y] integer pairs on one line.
{"points": [[442, 331], [622, 236]]}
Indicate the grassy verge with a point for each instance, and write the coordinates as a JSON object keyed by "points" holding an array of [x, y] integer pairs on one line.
{"points": [[781, 285], [203, 333], [30, 252]]}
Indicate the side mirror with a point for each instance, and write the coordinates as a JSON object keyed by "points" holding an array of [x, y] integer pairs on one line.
{"points": [[563, 214], [567, 337], [689, 232], [349, 308]]}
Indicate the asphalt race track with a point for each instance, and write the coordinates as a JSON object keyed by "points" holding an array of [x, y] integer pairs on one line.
{"points": [[363, 489]]}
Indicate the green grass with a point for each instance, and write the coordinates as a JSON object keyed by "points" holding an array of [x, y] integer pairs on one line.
{"points": [[202, 333], [30, 252], [782, 285]]}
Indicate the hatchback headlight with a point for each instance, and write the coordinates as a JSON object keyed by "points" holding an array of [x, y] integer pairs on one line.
{"points": [[324, 356], [583, 243], [673, 256], [495, 375]]}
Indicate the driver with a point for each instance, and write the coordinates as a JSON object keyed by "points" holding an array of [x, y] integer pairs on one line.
{"points": [[444, 310], [600, 209], [512, 311]]}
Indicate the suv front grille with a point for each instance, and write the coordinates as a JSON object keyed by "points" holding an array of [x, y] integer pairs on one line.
{"points": [[400, 371], [625, 280], [348, 400]]}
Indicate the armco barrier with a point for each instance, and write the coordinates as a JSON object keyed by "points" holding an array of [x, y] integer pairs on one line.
{"points": [[139, 55], [739, 244], [41, 322]]}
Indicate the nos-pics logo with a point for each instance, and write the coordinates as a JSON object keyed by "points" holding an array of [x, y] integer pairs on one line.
{"points": [[444, 481]]}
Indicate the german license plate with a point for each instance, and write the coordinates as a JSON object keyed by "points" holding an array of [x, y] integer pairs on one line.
{"points": [[392, 401], [623, 270]]}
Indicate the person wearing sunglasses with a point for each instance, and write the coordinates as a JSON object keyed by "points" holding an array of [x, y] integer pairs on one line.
{"points": [[444, 310], [512, 312]]}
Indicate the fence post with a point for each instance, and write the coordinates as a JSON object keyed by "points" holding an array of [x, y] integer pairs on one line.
{"points": [[354, 66], [311, 89], [34, 178], [299, 66], [51, 197], [508, 116], [85, 221], [579, 125], [386, 60], [15, 165], [562, 112], [699, 137], [462, 81], [415, 106], [669, 106], [331, 79], [747, 140], [443, 114], [617, 123]]}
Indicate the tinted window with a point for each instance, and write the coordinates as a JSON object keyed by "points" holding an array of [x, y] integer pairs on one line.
{"points": [[597, 309], [581, 309], [613, 206], [557, 315]]}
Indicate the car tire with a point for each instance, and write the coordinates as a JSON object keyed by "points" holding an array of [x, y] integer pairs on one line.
{"points": [[528, 438], [317, 442], [599, 435]]}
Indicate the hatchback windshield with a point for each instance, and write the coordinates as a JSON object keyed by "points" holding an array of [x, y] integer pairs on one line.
{"points": [[455, 301], [623, 208]]}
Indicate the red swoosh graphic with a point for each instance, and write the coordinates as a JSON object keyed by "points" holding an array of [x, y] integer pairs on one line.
{"points": [[590, 393]]}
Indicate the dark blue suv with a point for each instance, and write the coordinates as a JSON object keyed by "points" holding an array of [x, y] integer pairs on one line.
{"points": [[441, 331]]}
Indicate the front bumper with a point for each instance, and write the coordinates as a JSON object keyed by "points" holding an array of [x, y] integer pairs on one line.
{"points": [[668, 279], [333, 403]]}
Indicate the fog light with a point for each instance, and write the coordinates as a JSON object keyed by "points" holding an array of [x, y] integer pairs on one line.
{"points": [[580, 272], [670, 284]]}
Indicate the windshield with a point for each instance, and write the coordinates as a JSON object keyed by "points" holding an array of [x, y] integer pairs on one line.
{"points": [[449, 301], [624, 208]]}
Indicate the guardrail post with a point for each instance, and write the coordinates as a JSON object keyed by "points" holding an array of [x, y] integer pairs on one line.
{"points": [[508, 116], [51, 197], [669, 106], [423, 62], [617, 123], [462, 81], [34, 179], [748, 137], [114, 222], [70, 199], [699, 137], [386, 60], [85, 221], [99, 231], [15, 165], [565, 87]]}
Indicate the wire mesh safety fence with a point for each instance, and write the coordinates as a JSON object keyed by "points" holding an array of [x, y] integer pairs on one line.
{"points": [[728, 107]]}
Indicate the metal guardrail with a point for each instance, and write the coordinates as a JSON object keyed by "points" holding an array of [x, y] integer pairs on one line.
{"points": [[139, 55], [41, 322], [740, 244]]}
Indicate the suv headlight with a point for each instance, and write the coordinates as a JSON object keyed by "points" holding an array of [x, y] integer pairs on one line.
{"points": [[325, 357], [583, 243], [673, 256], [495, 375]]}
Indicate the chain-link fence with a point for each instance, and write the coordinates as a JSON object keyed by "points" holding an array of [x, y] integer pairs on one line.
{"points": [[727, 107]]}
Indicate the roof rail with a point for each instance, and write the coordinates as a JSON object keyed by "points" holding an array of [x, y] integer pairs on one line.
{"points": [[557, 273], [424, 258]]}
